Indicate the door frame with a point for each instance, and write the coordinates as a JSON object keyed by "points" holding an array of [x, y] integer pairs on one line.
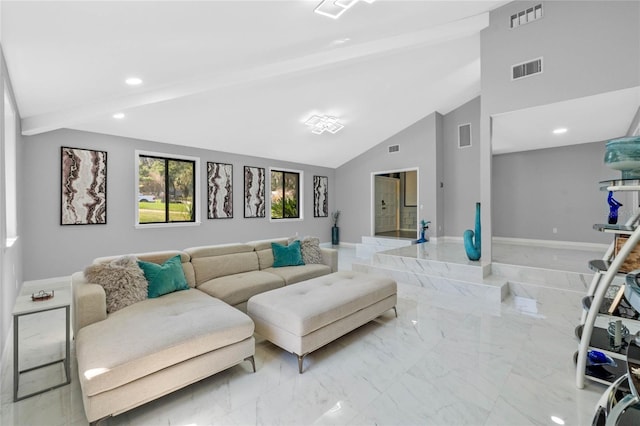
{"points": [[372, 195]]}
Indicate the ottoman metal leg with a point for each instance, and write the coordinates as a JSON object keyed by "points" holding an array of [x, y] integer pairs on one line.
{"points": [[396, 311], [300, 360], [252, 361]]}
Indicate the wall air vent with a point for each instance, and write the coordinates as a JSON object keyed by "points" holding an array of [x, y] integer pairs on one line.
{"points": [[394, 148], [525, 16], [526, 69], [464, 135]]}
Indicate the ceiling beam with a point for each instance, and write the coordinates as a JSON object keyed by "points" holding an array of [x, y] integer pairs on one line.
{"points": [[65, 118]]}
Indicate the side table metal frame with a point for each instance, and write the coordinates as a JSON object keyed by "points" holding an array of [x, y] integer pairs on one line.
{"points": [[65, 360]]}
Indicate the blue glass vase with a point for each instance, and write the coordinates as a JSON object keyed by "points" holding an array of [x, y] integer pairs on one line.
{"points": [[472, 240]]}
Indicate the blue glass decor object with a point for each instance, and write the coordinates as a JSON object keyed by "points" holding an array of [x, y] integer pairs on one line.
{"points": [[614, 205], [473, 246], [599, 358], [424, 225], [624, 154]]}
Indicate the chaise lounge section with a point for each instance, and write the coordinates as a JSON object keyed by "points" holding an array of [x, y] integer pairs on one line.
{"points": [[155, 346]]}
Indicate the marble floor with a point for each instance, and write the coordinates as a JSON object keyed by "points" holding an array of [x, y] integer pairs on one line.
{"points": [[441, 362]]}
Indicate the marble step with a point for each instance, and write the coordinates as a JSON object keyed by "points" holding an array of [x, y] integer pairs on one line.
{"points": [[557, 279], [371, 245], [491, 290]]}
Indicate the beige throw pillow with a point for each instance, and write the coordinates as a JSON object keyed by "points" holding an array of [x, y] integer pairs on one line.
{"points": [[122, 279]]}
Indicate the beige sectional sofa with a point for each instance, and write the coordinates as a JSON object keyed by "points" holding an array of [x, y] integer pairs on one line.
{"points": [[156, 346]]}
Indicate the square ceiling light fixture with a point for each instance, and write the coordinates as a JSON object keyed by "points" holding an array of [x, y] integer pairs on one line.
{"points": [[335, 8], [323, 123]]}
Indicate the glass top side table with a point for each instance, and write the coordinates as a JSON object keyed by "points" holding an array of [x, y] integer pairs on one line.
{"points": [[25, 306]]}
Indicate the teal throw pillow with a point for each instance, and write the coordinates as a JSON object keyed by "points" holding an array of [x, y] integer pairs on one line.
{"points": [[165, 278], [287, 255]]}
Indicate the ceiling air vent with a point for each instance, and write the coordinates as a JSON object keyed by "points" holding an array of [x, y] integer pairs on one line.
{"points": [[394, 148], [526, 69], [464, 135], [525, 16]]}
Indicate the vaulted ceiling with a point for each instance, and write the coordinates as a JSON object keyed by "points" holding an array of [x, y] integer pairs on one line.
{"points": [[242, 76]]}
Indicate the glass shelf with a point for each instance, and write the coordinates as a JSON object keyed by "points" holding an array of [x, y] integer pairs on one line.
{"points": [[614, 229], [620, 185]]}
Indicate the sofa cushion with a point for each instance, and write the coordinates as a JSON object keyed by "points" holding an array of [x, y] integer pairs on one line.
{"points": [[154, 334], [123, 281], [287, 255], [164, 279], [295, 274], [264, 251], [222, 260], [238, 288]]}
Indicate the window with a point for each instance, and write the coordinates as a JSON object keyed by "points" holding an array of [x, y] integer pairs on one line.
{"points": [[11, 200], [525, 16], [285, 194], [167, 188]]}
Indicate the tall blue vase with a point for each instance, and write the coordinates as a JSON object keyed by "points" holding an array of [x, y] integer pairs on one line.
{"points": [[473, 246]]}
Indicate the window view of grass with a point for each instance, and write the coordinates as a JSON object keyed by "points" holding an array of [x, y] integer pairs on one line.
{"points": [[161, 179], [151, 212], [284, 194]]}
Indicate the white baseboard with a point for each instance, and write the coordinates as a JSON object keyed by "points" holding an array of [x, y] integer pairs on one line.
{"points": [[571, 245], [552, 243]]}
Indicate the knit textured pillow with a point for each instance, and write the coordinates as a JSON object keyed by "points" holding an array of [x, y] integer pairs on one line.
{"points": [[310, 248], [122, 279]]}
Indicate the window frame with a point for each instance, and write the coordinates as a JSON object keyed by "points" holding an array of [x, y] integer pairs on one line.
{"points": [[300, 174], [196, 189], [9, 169]]}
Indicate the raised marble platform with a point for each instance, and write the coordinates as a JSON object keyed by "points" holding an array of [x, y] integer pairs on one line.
{"points": [[442, 266], [518, 269]]}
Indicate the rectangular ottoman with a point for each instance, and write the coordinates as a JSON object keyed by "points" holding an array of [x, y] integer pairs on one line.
{"points": [[303, 317]]}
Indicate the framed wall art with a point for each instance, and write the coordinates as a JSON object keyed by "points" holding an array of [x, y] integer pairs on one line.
{"points": [[219, 190], [320, 196], [254, 192], [84, 187]]}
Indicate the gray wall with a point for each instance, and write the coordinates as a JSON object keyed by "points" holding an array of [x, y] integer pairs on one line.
{"points": [[419, 148], [56, 250], [461, 169], [11, 257], [536, 191], [589, 47]]}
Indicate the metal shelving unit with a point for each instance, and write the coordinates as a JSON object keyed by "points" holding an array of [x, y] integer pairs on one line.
{"points": [[619, 405], [596, 303]]}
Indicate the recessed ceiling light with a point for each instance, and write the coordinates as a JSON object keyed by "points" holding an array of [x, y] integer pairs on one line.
{"points": [[557, 420], [340, 41], [133, 81], [560, 131], [118, 115]]}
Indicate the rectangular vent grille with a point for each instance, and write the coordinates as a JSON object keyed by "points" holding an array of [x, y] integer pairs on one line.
{"points": [[464, 135], [526, 69], [394, 148], [525, 16]]}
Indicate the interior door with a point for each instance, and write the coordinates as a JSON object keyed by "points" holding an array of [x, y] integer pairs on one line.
{"points": [[387, 198]]}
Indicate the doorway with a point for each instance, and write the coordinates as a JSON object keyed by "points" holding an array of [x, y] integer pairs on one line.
{"points": [[394, 211]]}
